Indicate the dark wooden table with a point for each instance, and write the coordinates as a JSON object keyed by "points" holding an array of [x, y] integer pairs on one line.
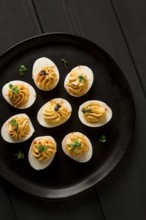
{"points": [[119, 27]]}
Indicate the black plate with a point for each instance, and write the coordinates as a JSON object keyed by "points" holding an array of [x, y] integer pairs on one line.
{"points": [[65, 177]]}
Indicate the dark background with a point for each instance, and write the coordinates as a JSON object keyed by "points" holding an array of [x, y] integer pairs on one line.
{"points": [[119, 27]]}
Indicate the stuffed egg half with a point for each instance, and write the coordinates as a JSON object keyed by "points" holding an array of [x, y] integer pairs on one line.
{"points": [[54, 113], [77, 146], [42, 152], [79, 80], [45, 74], [94, 113], [19, 94], [17, 128]]}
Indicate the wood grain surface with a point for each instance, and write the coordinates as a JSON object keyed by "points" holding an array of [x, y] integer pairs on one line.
{"points": [[119, 28], [131, 17]]}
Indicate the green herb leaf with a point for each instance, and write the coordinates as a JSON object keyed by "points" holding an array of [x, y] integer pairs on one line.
{"points": [[65, 62], [103, 138], [14, 123], [88, 110], [19, 155], [75, 143], [22, 70], [41, 148], [15, 89], [10, 86], [81, 78]]}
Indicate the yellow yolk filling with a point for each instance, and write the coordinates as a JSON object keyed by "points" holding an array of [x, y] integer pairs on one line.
{"points": [[20, 98], [76, 145], [43, 149], [56, 112], [94, 113], [77, 84], [18, 128], [46, 78]]}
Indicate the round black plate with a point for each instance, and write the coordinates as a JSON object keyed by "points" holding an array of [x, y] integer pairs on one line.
{"points": [[65, 177]]}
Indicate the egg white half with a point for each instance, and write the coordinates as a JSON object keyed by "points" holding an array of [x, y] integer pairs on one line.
{"points": [[80, 158], [39, 64], [82, 70], [4, 130], [32, 96], [43, 122], [36, 164], [108, 115]]}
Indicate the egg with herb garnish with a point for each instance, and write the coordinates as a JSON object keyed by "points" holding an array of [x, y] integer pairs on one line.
{"points": [[42, 152], [77, 146], [45, 74], [19, 94], [17, 128], [54, 113], [79, 80], [94, 113]]}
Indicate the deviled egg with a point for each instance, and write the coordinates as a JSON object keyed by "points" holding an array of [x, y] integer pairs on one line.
{"points": [[79, 80], [45, 74], [54, 113], [77, 146], [17, 128], [19, 94], [94, 113], [42, 152]]}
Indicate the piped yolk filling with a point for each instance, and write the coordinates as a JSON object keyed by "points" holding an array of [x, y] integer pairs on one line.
{"points": [[76, 145], [18, 128], [77, 84], [46, 78], [19, 95], [43, 149], [94, 113], [56, 112]]}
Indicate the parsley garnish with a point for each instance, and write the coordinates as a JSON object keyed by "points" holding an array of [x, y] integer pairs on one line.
{"points": [[15, 89], [103, 138], [41, 148], [10, 86], [84, 110], [14, 123], [19, 155], [65, 62], [75, 143], [22, 70], [81, 78]]}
